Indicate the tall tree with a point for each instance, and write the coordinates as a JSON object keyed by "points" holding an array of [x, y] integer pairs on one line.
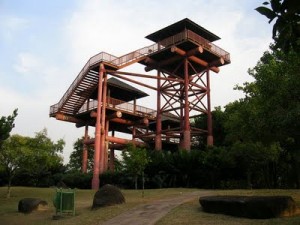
{"points": [[44, 155], [270, 111], [34, 157], [218, 117], [135, 160], [13, 157], [6, 125], [75, 162], [286, 29]]}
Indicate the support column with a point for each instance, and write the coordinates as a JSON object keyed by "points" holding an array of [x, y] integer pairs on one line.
{"points": [[106, 146], [186, 129], [181, 143], [112, 156], [85, 151], [210, 139], [158, 144], [103, 151], [96, 170]]}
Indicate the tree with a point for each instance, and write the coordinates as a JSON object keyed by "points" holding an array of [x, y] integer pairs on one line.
{"points": [[75, 162], [13, 157], [135, 160], [6, 125], [34, 157], [218, 117], [269, 113], [286, 29], [43, 157]]}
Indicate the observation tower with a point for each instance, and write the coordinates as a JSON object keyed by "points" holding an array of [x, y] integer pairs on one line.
{"points": [[180, 61]]}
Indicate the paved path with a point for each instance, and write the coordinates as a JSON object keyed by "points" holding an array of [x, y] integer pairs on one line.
{"points": [[150, 213]]}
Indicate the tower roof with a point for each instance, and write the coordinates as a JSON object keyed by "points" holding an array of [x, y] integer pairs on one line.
{"points": [[180, 26], [123, 91]]}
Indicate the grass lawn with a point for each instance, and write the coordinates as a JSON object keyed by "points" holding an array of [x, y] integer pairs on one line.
{"points": [[191, 212], [9, 214], [188, 213]]}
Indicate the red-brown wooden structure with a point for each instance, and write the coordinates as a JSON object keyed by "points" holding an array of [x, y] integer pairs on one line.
{"points": [[183, 56]]}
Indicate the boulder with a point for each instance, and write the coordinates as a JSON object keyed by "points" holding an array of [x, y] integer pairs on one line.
{"points": [[27, 205], [108, 195], [256, 207]]}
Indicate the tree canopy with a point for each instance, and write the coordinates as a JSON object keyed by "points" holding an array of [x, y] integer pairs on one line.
{"points": [[75, 162], [286, 29], [32, 157], [6, 125]]}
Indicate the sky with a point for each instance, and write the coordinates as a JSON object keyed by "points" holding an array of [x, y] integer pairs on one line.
{"points": [[45, 44]]}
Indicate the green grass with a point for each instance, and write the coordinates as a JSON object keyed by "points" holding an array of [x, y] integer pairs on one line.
{"points": [[188, 213], [191, 212], [84, 198]]}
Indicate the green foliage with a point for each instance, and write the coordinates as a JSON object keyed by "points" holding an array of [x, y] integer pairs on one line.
{"points": [[6, 125], [286, 29], [135, 160], [33, 157], [200, 122], [75, 162], [77, 180]]}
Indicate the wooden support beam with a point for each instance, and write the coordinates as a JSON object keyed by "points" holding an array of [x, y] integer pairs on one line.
{"points": [[143, 122], [156, 65], [117, 114], [194, 59], [124, 141], [64, 117]]}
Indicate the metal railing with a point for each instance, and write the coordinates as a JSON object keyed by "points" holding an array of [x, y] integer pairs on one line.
{"points": [[208, 45], [135, 55], [188, 34], [102, 56], [117, 104]]}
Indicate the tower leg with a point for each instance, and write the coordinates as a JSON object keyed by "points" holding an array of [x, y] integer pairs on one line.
{"points": [[85, 151], [158, 144], [96, 169], [103, 152], [187, 130], [210, 139]]}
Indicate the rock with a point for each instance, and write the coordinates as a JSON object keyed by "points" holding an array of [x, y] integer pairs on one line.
{"points": [[108, 195], [27, 205], [255, 207]]}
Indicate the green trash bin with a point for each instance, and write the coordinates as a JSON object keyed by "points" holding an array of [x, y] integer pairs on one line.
{"points": [[64, 201]]}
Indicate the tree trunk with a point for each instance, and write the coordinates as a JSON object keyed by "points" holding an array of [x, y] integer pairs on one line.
{"points": [[135, 181], [143, 184], [8, 187], [249, 184]]}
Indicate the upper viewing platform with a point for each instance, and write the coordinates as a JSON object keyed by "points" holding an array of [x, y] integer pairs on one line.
{"points": [[172, 43], [185, 38]]}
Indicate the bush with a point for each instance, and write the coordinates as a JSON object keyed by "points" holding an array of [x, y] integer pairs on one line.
{"points": [[78, 180]]}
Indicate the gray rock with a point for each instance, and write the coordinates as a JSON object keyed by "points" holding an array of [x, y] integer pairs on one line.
{"points": [[27, 205], [108, 195], [255, 207]]}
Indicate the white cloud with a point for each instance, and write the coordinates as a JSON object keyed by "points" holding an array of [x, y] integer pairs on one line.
{"points": [[27, 63], [11, 25]]}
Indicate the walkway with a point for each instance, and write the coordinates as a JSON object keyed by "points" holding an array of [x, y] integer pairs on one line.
{"points": [[149, 214]]}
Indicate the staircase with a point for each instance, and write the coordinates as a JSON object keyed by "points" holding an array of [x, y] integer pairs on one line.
{"points": [[87, 80]]}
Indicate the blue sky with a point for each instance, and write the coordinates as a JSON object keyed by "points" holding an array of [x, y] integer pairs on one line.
{"points": [[44, 44]]}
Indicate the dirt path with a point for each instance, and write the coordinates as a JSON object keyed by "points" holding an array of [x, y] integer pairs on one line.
{"points": [[149, 214]]}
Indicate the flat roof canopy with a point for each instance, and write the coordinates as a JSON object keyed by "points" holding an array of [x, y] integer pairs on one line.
{"points": [[180, 26], [123, 91]]}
